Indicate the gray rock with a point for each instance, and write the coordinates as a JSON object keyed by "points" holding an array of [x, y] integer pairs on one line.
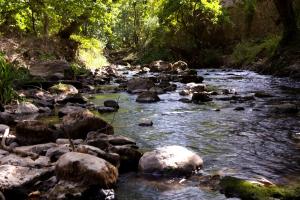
{"points": [[86, 169], [170, 161], [56, 152], [40, 149], [69, 109], [145, 122], [200, 97], [26, 108], [103, 109]]}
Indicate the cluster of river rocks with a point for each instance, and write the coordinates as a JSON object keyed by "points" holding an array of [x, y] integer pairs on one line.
{"points": [[79, 157]]}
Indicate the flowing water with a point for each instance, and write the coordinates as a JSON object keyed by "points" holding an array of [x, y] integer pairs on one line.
{"points": [[249, 143]]}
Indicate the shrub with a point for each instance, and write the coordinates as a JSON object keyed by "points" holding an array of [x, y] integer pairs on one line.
{"points": [[8, 75], [246, 52]]}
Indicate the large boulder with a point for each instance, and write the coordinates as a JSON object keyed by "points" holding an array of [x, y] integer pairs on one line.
{"points": [[170, 161], [137, 85], [86, 169], [49, 68], [180, 66], [160, 66], [34, 132], [148, 97], [77, 125]]}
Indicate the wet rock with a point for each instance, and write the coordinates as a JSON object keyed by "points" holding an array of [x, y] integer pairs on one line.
{"points": [[40, 149], [194, 87], [228, 91], [15, 179], [66, 141], [94, 137], [66, 190], [200, 97], [112, 104], [34, 132], [103, 109], [184, 93], [190, 79], [180, 66], [129, 157], [157, 90], [239, 109], [113, 158], [26, 108], [160, 66], [185, 100], [296, 136], [145, 122], [6, 118], [63, 88], [148, 97], [56, 152], [86, 169], [138, 85], [78, 124], [77, 98], [170, 161], [69, 109], [13, 159], [243, 98], [167, 87], [44, 110], [261, 94]]}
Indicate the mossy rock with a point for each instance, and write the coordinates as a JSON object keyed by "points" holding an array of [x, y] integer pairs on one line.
{"points": [[247, 190]]}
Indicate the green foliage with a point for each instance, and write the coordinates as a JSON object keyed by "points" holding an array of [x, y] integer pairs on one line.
{"points": [[90, 52], [8, 75], [246, 52], [246, 190]]}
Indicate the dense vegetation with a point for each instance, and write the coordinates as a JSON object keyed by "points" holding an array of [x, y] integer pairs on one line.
{"points": [[147, 30]]}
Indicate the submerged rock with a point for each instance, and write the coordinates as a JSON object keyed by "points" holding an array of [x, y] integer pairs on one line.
{"points": [[170, 160], [148, 97], [103, 109], [86, 169]]}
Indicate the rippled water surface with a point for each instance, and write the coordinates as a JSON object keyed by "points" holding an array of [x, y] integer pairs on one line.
{"points": [[249, 143]]}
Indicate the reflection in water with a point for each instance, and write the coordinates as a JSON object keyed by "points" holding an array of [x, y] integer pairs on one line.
{"points": [[253, 142]]}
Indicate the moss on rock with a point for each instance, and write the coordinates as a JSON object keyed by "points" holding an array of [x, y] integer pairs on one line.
{"points": [[247, 190]]}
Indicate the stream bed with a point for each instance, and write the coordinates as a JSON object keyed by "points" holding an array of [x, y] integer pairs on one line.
{"points": [[254, 142]]}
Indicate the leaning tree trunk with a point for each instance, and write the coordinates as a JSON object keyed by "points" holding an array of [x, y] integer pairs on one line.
{"points": [[73, 26], [288, 19]]}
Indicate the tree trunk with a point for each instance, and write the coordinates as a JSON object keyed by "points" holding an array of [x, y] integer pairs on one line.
{"points": [[288, 19], [74, 26]]}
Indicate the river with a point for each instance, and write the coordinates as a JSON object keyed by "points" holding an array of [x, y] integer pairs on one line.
{"points": [[249, 143]]}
